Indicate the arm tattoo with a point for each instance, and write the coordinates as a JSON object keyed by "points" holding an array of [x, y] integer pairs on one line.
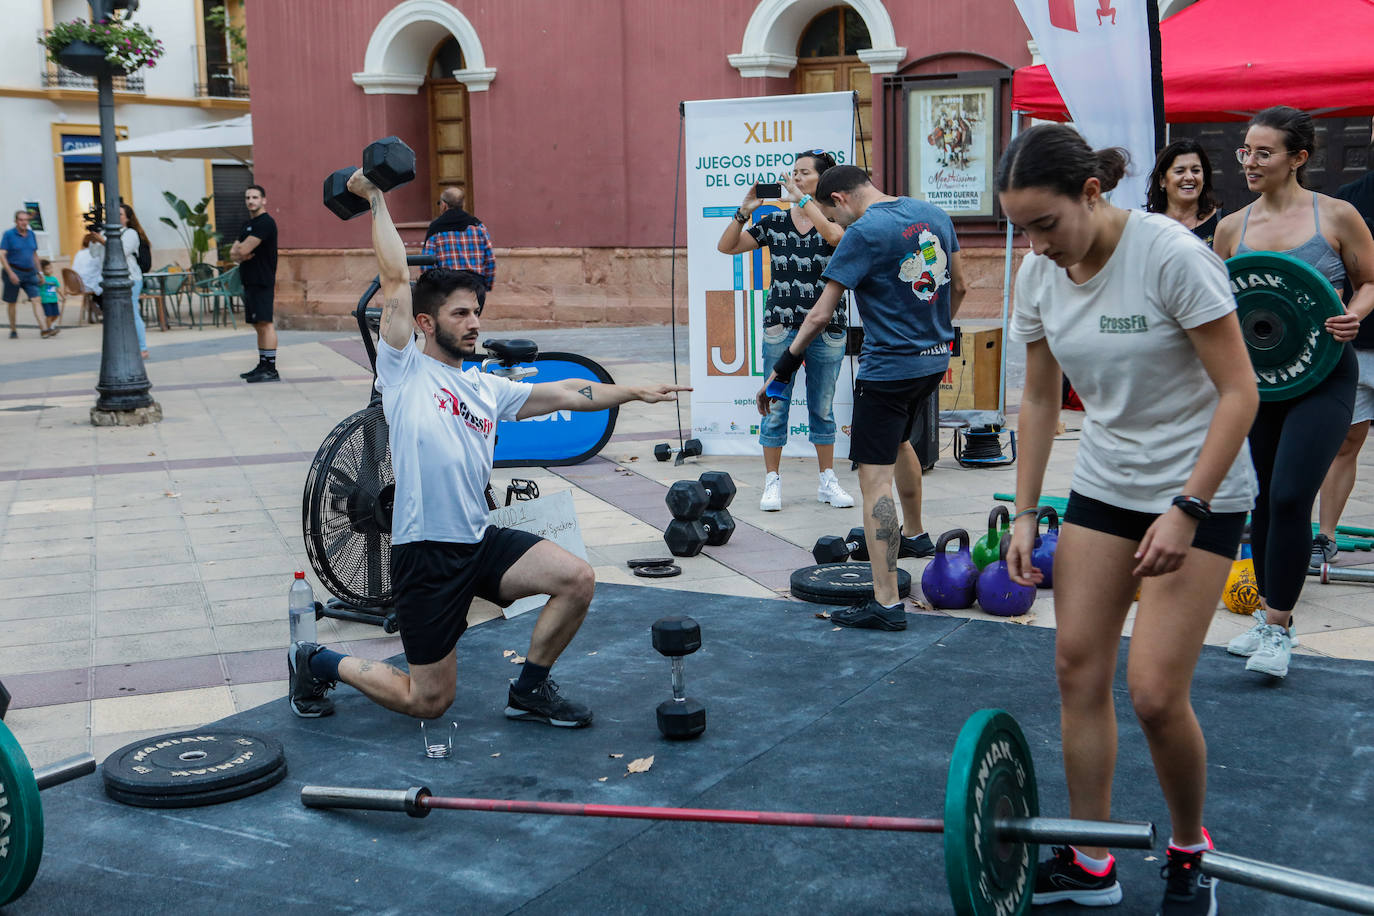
{"points": [[889, 529], [586, 392], [391, 308]]}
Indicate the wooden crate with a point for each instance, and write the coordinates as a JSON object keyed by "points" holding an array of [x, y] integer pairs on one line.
{"points": [[972, 379]]}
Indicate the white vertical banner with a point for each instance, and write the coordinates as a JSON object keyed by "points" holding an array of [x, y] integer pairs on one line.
{"points": [[731, 144], [1098, 54]]}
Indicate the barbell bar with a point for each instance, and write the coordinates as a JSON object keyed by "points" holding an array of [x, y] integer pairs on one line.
{"points": [[1279, 879], [1329, 573], [418, 801]]}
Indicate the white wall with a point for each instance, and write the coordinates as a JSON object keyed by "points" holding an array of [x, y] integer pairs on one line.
{"points": [[27, 153]]}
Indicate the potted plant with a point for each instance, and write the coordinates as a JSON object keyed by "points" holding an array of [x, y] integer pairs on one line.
{"points": [[112, 45], [194, 225]]}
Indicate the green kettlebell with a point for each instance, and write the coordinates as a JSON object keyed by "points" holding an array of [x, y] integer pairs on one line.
{"points": [[985, 552]]}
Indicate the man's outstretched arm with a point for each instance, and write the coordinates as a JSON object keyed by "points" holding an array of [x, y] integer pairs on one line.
{"points": [[582, 395], [398, 319]]}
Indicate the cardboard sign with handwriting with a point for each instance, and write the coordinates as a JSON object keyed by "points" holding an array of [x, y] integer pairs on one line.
{"points": [[551, 517]]}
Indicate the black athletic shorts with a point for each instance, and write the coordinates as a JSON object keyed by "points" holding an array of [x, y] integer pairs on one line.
{"points": [[1219, 534], [883, 416], [435, 582], [257, 304]]}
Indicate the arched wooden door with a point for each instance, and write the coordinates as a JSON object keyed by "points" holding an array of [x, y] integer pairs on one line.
{"points": [[827, 61], [450, 135]]}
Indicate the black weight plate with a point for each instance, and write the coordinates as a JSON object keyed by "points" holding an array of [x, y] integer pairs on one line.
{"points": [[841, 583], [649, 561], [190, 762], [196, 799], [1283, 304], [666, 571]]}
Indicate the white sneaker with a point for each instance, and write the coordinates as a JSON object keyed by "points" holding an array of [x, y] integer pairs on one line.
{"points": [[1276, 648], [1248, 643], [831, 492], [772, 493]]}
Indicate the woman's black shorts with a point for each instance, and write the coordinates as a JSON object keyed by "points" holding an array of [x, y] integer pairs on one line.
{"points": [[1219, 534], [435, 582]]}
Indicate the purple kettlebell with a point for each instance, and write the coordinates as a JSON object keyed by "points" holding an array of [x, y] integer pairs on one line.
{"points": [[948, 581], [998, 594], [1042, 557]]}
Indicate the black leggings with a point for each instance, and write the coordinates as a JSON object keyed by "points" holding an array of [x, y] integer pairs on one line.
{"points": [[1292, 444]]}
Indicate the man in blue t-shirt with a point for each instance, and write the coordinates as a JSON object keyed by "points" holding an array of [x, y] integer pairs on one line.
{"points": [[19, 266], [901, 258]]}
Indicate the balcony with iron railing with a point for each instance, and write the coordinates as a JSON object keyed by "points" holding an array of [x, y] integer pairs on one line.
{"points": [[56, 76], [223, 79]]}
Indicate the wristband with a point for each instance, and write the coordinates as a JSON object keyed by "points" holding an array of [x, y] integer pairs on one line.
{"points": [[806, 199], [776, 390], [787, 364], [741, 217], [1033, 510], [1193, 507]]}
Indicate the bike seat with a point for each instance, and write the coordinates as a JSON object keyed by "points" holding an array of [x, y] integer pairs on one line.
{"points": [[511, 350]]}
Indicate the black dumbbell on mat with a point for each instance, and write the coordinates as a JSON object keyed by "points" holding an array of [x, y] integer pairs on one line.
{"points": [[835, 549], [681, 717], [387, 163], [699, 514]]}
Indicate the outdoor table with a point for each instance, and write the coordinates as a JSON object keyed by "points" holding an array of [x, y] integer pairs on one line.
{"points": [[154, 284]]}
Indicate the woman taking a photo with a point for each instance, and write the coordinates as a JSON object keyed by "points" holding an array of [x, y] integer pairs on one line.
{"points": [[1294, 441], [800, 241], [132, 237], [1160, 487], [1181, 188]]}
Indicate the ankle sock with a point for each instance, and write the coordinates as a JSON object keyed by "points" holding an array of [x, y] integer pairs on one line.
{"points": [[269, 357], [324, 664], [1098, 867], [531, 676], [1205, 845]]}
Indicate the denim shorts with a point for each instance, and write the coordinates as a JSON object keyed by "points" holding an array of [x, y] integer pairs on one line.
{"points": [[823, 360]]}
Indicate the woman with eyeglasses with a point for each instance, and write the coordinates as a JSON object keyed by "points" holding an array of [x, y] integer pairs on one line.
{"points": [[1181, 188], [1294, 441], [800, 241]]}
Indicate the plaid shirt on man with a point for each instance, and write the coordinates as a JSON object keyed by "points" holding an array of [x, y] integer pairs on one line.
{"points": [[469, 249]]}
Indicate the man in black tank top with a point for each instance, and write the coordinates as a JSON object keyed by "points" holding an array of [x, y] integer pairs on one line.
{"points": [[1340, 479]]}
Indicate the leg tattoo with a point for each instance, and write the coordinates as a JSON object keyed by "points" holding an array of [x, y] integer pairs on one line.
{"points": [[889, 530]]}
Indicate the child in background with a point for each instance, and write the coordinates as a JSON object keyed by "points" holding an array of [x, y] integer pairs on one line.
{"points": [[52, 300]]}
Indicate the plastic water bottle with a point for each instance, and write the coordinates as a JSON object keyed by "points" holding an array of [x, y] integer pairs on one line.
{"points": [[301, 607]]}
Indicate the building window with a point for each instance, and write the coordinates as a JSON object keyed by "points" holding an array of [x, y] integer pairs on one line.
{"points": [[223, 59], [837, 32]]}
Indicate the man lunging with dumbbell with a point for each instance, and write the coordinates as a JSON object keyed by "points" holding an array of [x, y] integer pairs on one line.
{"points": [[442, 423], [901, 258]]}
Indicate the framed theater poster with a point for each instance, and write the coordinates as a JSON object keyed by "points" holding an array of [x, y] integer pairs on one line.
{"points": [[951, 146]]}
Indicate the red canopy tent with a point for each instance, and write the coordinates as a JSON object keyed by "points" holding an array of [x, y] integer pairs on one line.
{"points": [[1223, 60]]}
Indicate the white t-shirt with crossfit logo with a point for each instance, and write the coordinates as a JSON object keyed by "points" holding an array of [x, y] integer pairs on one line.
{"points": [[443, 437], [1121, 340]]}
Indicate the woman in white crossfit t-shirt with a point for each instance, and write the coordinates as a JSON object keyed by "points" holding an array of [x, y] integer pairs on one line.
{"points": [[1139, 313]]}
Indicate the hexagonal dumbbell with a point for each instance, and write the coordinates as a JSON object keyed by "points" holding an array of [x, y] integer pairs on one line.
{"points": [[699, 515], [681, 717], [690, 449], [835, 549], [387, 163]]}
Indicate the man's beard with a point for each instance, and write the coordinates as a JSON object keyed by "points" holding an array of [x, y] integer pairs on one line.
{"points": [[453, 345]]}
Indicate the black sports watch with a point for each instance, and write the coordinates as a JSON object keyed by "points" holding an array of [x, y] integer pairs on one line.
{"points": [[1199, 509]]}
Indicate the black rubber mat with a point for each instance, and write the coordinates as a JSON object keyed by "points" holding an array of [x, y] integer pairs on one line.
{"points": [[801, 717]]}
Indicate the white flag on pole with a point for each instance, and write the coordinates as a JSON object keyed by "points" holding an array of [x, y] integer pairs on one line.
{"points": [[1098, 54]]}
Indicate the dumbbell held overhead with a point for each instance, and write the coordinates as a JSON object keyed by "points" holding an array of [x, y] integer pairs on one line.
{"points": [[387, 163]]}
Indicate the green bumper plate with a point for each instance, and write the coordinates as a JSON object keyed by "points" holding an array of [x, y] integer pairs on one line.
{"points": [[1283, 304], [990, 777], [21, 820]]}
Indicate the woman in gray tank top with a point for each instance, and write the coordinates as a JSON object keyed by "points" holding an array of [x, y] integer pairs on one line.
{"points": [[1293, 442]]}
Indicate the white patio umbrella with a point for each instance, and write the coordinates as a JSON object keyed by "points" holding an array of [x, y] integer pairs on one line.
{"points": [[231, 139]]}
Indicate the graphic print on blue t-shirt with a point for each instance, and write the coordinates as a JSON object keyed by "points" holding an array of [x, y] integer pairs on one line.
{"points": [[926, 268]]}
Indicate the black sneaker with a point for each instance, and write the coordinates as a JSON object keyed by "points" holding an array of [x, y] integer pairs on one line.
{"points": [[1188, 892], [1324, 550], [919, 546], [13, 335], [307, 696], [256, 369], [264, 373], [545, 704], [1062, 879], [871, 616]]}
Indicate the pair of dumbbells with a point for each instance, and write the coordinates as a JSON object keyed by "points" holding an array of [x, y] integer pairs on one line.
{"points": [[699, 514], [690, 449], [387, 163], [681, 717], [835, 549]]}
